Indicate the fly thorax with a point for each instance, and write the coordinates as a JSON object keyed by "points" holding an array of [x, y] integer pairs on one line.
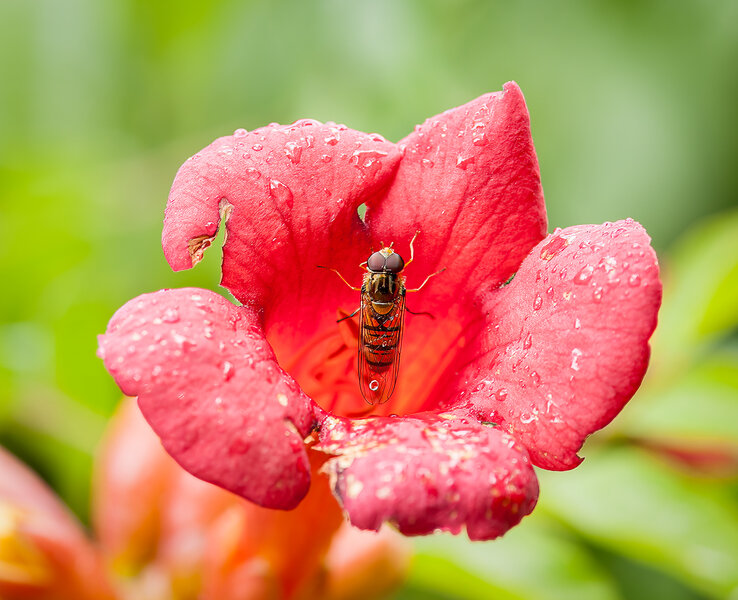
{"points": [[382, 289]]}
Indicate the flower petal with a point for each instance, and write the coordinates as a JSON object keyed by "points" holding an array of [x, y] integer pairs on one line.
{"points": [[132, 473], [290, 545], [44, 553], [566, 343], [289, 196], [209, 385], [428, 472], [364, 564], [469, 181]]}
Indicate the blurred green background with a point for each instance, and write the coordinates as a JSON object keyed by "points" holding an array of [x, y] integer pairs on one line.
{"points": [[634, 113]]}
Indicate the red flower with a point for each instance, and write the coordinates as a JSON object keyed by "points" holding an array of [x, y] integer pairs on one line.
{"points": [[161, 533], [505, 376]]}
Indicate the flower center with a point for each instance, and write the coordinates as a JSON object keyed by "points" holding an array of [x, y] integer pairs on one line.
{"points": [[326, 369]]}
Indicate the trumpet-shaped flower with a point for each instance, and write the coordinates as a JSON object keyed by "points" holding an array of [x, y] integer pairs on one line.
{"points": [[536, 340]]}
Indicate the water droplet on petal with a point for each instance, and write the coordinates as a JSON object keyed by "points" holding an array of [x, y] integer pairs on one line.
{"points": [[171, 315], [555, 246], [368, 161], [635, 280], [427, 162], [537, 302], [257, 147], [501, 394], [584, 275], [281, 193], [293, 150], [597, 294], [576, 353], [239, 133], [228, 370], [535, 377], [462, 162], [528, 341]]}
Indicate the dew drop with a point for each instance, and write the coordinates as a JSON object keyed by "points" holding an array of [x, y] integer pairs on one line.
{"points": [[535, 377], [293, 150], [281, 193], [528, 341], [427, 162], [555, 246], [257, 147], [576, 353], [228, 370], [239, 133], [501, 394], [462, 162], [635, 280], [368, 161], [537, 303], [597, 294], [326, 158], [584, 275], [171, 315]]}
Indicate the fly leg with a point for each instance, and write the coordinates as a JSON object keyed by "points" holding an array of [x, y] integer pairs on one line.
{"points": [[422, 285], [353, 314], [418, 314], [412, 250], [356, 289]]}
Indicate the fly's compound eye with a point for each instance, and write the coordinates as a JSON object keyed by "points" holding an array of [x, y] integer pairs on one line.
{"points": [[375, 262], [394, 263]]}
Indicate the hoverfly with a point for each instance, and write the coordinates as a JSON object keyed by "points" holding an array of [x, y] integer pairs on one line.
{"points": [[381, 320]]}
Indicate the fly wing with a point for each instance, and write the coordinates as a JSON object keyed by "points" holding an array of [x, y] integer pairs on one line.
{"points": [[380, 342]]}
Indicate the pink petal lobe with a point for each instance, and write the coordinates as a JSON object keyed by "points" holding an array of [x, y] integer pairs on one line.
{"points": [[289, 196], [209, 385], [428, 472], [566, 342], [469, 182]]}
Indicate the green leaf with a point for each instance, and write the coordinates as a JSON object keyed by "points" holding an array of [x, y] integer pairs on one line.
{"points": [[700, 293], [532, 561], [700, 406], [625, 500]]}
